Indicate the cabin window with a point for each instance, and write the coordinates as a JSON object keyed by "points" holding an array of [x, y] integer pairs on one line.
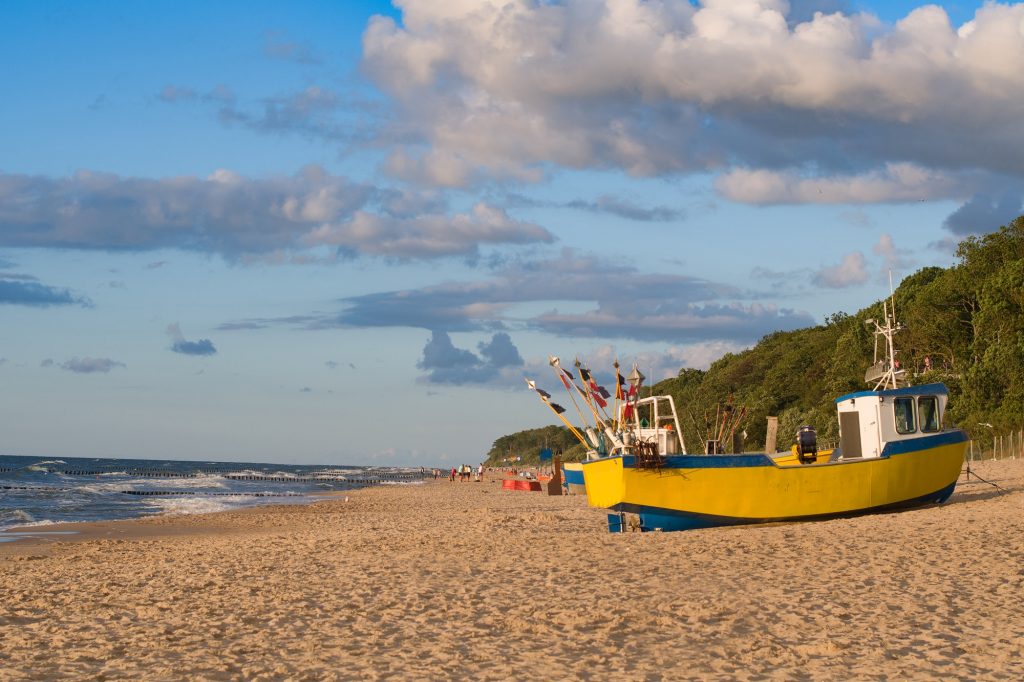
{"points": [[928, 408], [903, 408]]}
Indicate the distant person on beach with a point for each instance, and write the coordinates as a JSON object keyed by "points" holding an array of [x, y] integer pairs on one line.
{"points": [[452, 479], [480, 473]]}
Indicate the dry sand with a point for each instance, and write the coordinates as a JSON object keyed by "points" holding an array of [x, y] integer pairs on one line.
{"points": [[466, 581]]}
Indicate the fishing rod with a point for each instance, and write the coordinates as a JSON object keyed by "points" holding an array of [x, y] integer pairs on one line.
{"points": [[569, 384], [591, 394], [619, 398], [736, 422], [545, 398]]}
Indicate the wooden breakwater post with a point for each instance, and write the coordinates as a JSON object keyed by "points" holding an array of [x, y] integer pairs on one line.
{"points": [[771, 435], [555, 484]]}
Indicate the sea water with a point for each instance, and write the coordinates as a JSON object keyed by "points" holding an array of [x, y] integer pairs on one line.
{"points": [[36, 491]]}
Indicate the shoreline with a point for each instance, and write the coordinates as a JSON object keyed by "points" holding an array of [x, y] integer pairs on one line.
{"points": [[148, 527], [453, 580]]}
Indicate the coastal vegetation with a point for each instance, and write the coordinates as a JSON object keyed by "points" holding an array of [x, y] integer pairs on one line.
{"points": [[528, 444], [964, 326]]}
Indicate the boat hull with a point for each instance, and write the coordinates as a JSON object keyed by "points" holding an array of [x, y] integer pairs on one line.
{"points": [[573, 473], [702, 491]]}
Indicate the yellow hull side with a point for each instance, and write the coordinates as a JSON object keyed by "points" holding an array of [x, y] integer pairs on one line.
{"points": [[777, 492]]}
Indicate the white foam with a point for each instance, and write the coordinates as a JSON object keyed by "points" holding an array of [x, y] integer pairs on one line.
{"points": [[153, 484], [18, 516], [37, 523], [29, 522], [198, 504], [187, 504]]}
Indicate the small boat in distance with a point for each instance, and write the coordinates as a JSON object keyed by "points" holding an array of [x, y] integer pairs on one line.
{"points": [[895, 452], [572, 472]]}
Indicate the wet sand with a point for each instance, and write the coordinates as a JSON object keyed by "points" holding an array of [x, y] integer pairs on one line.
{"points": [[464, 580]]}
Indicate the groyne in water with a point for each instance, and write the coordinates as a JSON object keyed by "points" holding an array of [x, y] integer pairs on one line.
{"points": [[356, 479]]}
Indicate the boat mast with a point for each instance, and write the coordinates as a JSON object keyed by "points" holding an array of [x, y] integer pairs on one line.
{"points": [[892, 374]]}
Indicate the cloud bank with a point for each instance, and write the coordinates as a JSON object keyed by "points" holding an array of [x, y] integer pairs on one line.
{"points": [[619, 302], [984, 213], [791, 102], [18, 289], [89, 365], [280, 218], [584, 296]]}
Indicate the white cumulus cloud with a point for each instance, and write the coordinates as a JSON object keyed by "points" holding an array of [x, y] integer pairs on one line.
{"points": [[851, 271]]}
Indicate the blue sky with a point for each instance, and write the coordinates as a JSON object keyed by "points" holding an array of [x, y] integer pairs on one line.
{"points": [[325, 232]]}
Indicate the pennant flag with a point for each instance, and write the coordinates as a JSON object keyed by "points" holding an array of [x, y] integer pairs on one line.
{"points": [[627, 412], [557, 408], [632, 391], [565, 380], [543, 393], [600, 389], [585, 374]]}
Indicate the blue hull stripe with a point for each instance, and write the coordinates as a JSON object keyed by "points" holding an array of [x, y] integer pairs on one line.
{"points": [[669, 519], [899, 447]]}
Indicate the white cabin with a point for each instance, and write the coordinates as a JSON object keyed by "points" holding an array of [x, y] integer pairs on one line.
{"points": [[869, 420]]}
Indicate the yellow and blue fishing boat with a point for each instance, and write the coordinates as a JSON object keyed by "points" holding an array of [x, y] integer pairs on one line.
{"points": [[895, 452]]}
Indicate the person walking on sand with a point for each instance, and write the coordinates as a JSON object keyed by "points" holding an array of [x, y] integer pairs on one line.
{"points": [[452, 478], [480, 473]]}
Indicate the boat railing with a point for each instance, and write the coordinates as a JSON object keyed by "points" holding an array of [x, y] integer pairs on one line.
{"points": [[660, 423]]}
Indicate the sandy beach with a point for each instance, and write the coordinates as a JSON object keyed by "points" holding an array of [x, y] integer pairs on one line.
{"points": [[466, 581]]}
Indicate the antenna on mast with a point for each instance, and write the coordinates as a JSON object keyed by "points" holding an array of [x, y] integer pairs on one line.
{"points": [[892, 298], [887, 373]]}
